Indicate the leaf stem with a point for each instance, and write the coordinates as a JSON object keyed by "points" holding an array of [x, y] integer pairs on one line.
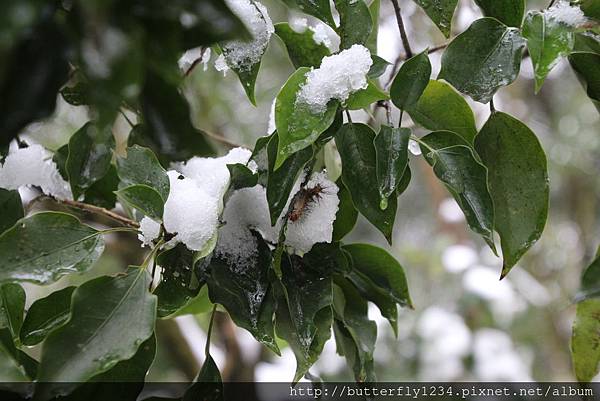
{"points": [[209, 332], [151, 254], [420, 142], [402, 29], [100, 210]]}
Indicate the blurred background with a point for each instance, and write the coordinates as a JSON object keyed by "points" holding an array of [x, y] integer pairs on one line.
{"points": [[467, 325]]}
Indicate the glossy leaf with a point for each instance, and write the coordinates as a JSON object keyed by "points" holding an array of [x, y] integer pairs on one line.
{"points": [[509, 12], [457, 166], [12, 306], [440, 12], [547, 42], [241, 177], [208, 385], [590, 282], [587, 67], [301, 47], [371, 42], [98, 327], [142, 167], [246, 74], [167, 128], [355, 22], [297, 126], [245, 293], [411, 81], [378, 67], [391, 150], [586, 335], [11, 208], [317, 8], [442, 108], [143, 198], [346, 215], [482, 59], [45, 246], [280, 182], [179, 283], [359, 174], [363, 98], [90, 155], [102, 192], [45, 315], [12, 363], [518, 184], [381, 270], [353, 324]]}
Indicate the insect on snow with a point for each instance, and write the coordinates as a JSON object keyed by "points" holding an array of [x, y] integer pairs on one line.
{"points": [[303, 199]]}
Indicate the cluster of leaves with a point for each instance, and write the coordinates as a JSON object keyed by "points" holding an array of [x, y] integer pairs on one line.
{"points": [[104, 329]]}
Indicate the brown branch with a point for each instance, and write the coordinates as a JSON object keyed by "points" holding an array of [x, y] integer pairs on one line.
{"points": [[100, 210], [196, 62], [402, 29]]}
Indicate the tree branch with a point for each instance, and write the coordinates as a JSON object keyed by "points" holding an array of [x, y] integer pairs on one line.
{"points": [[402, 30], [100, 210]]}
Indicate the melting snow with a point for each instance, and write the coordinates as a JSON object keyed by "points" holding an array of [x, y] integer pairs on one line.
{"points": [[241, 55], [33, 166], [338, 76], [149, 230], [563, 12], [221, 65]]}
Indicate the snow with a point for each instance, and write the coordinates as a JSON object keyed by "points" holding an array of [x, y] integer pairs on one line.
{"points": [[241, 55], [212, 173], [33, 166], [298, 24], [271, 125], [316, 223], [149, 230], [321, 35], [563, 12], [221, 65], [191, 56], [190, 212], [414, 148], [338, 76]]}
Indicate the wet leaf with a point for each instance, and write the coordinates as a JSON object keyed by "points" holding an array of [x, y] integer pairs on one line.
{"points": [[363, 98], [518, 183], [143, 198], [391, 150], [440, 12], [301, 47], [587, 67], [45, 315], [241, 177], [356, 23], [102, 192], [12, 307], [509, 12], [483, 58], [346, 216], [317, 8], [208, 385], [142, 167], [45, 246], [411, 81], [11, 208]]}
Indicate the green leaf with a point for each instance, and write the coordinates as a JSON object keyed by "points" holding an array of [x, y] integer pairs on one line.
{"points": [[483, 58], [12, 306], [356, 23], [110, 318], [440, 12], [391, 150], [442, 108], [590, 282], [76, 95], [509, 12], [12, 362], [142, 167], [11, 208], [518, 183], [346, 215], [371, 42], [45, 246], [280, 182], [304, 315], [124, 382], [355, 333], [143, 198], [247, 74], [167, 128], [241, 177], [363, 98], [301, 47], [45, 315], [587, 67], [547, 42], [208, 385], [379, 65], [244, 292], [586, 335], [179, 283], [457, 166], [90, 155], [591, 8], [411, 81], [359, 174], [102, 192], [297, 126], [317, 8], [34, 72], [381, 270]]}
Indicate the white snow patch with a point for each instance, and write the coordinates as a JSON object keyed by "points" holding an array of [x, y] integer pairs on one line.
{"points": [[33, 166], [565, 13], [192, 56], [321, 35], [190, 212], [338, 76], [298, 24], [221, 65], [414, 148], [149, 230], [241, 55]]}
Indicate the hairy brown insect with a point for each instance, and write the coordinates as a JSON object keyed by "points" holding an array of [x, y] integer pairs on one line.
{"points": [[302, 200]]}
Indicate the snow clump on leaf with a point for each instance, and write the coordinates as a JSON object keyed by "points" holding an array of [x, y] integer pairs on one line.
{"points": [[149, 230], [338, 77], [563, 12]]}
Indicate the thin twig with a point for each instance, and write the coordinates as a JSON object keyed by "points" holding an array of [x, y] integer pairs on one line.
{"points": [[209, 331], [222, 140], [402, 30], [100, 210], [196, 62]]}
